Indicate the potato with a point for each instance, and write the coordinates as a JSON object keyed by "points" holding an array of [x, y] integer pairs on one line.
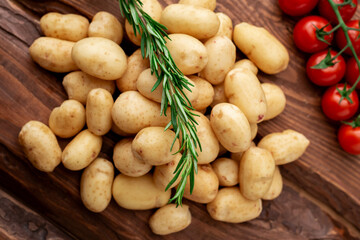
{"points": [[106, 25], [286, 146], [40, 146], [209, 4], [153, 145], [206, 185], [100, 57], [78, 85], [226, 25], [135, 65], [170, 219], [227, 171], [118, 131], [238, 155], [81, 151], [222, 150], [195, 21], [189, 54], [275, 100], [138, 193], [275, 187], [70, 27], [151, 7], [257, 168], [68, 119], [98, 111], [230, 206], [206, 93], [163, 174], [254, 130], [246, 63], [96, 185], [132, 112], [231, 127], [222, 56], [53, 54], [261, 47], [219, 94], [243, 89]]}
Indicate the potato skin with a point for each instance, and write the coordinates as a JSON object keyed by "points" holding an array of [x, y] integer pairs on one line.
{"points": [[70, 27], [226, 26], [138, 193], [230, 206], [209, 4], [206, 93], [68, 119], [227, 171], [195, 21], [100, 57], [246, 63], [219, 94], [96, 184], [163, 174], [106, 25], [275, 100], [261, 47], [276, 186], [40, 146], [170, 219], [53, 54], [81, 151]]}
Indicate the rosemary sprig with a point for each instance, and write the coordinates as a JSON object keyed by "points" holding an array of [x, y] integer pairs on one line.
{"points": [[173, 81]]}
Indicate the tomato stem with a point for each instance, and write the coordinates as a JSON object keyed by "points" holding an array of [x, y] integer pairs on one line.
{"points": [[353, 124]]}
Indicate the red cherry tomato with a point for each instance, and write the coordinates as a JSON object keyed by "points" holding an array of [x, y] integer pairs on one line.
{"points": [[335, 111], [346, 12], [352, 72], [328, 76], [341, 40], [349, 138], [297, 7], [305, 34]]}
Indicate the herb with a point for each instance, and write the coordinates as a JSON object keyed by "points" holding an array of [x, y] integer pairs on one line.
{"points": [[174, 82]]}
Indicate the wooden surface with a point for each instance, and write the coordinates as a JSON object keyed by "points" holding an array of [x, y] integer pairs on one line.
{"points": [[28, 92]]}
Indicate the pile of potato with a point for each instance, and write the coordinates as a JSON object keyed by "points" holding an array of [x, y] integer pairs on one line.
{"points": [[234, 174]]}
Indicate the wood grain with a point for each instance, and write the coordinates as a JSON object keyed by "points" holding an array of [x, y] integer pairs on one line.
{"points": [[28, 92]]}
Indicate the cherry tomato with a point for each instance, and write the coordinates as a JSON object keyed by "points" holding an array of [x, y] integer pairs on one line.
{"points": [[327, 76], [335, 111], [305, 34], [341, 40], [346, 12], [349, 138], [352, 72], [297, 7]]}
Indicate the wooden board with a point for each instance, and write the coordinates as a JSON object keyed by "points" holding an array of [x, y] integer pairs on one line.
{"points": [[28, 92]]}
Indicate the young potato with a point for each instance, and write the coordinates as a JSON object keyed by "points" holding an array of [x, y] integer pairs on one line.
{"points": [[227, 171], [231, 127], [209, 4], [53, 54], [261, 47], [244, 90], [254, 130], [70, 27], [78, 85], [138, 193], [206, 93], [170, 219], [135, 65], [226, 26], [219, 94], [151, 7], [206, 185], [275, 100], [132, 112], [100, 57], [237, 156], [222, 55], [189, 54], [68, 119], [106, 25], [195, 21], [126, 162], [257, 168], [118, 131], [230, 206], [286, 146], [153, 144], [40, 146], [222, 150], [81, 151], [276, 186], [246, 63], [98, 111], [163, 174], [96, 184]]}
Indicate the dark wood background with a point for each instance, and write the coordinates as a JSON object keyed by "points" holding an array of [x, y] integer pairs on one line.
{"points": [[321, 197]]}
